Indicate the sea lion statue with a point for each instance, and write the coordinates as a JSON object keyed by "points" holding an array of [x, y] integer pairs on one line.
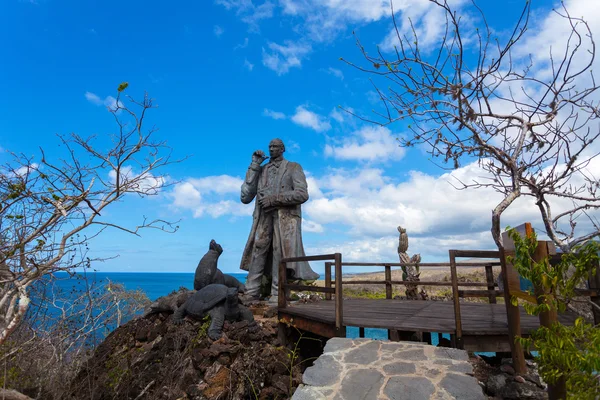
{"points": [[207, 272]]}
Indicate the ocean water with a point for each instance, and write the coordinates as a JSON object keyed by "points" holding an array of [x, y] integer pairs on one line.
{"points": [[154, 285]]}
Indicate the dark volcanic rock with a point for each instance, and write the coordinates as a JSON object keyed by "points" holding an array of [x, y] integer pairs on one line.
{"points": [[167, 361], [500, 381]]}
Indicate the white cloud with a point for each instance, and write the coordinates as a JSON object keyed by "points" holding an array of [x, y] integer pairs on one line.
{"points": [[185, 195], [25, 170], [280, 58], [336, 115], [323, 20], [93, 98], [249, 12], [370, 204], [242, 46], [309, 119], [108, 101], [311, 226], [370, 143], [551, 33], [428, 21], [273, 114], [221, 184], [248, 65], [218, 31], [291, 146], [335, 72], [145, 183], [367, 204], [313, 187], [215, 196]]}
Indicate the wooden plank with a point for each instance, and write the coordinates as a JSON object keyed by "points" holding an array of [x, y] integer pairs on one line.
{"points": [[388, 285], [339, 303], [426, 265], [456, 300], [586, 292], [423, 283], [477, 254], [323, 257], [479, 293], [302, 288], [486, 343], [310, 325], [489, 277], [327, 279]]}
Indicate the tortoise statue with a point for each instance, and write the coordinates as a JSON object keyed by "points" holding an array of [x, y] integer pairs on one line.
{"points": [[169, 303], [208, 273], [218, 301]]}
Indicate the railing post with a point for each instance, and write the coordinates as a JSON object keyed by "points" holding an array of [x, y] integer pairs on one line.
{"points": [[388, 284], [457, 318], [328, 279], [489, 275], [339, 318], [513, 315], [282, 301]]}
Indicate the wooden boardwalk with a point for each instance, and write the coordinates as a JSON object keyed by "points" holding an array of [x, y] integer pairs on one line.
{"points": [[474, 326], [484, 326]]}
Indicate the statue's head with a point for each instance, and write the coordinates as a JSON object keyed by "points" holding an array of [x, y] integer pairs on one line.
{"points": [[276, 148], [215, 246]]}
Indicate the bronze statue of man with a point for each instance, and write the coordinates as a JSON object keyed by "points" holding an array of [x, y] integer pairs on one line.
{"points": [[280, 188]]}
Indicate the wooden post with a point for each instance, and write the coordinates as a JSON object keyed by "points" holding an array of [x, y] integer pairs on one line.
{"points": [[388, 285], [558, 389], [282, 303], [328, 279], [514, 321], [547, 318], [457, 319], [339, 299], [489, 275], [594, 284], [427, 337]]}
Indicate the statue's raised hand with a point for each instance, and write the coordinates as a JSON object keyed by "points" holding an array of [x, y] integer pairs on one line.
{"points": [[258, 157]]}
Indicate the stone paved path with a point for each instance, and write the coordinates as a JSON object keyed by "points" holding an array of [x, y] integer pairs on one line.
{"points": [[365, 369]]}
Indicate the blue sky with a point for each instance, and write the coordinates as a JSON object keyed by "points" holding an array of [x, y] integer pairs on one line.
{"points": [[228, 76]]}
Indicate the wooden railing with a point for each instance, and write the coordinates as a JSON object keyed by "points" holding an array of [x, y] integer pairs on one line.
{"points": [[332, 286], [284, 287]]}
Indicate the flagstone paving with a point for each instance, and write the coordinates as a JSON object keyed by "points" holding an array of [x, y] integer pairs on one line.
{"points": [[365, 369]]}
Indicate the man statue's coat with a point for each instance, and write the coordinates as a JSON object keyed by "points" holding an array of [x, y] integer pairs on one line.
{"points": [[290, 191]]}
